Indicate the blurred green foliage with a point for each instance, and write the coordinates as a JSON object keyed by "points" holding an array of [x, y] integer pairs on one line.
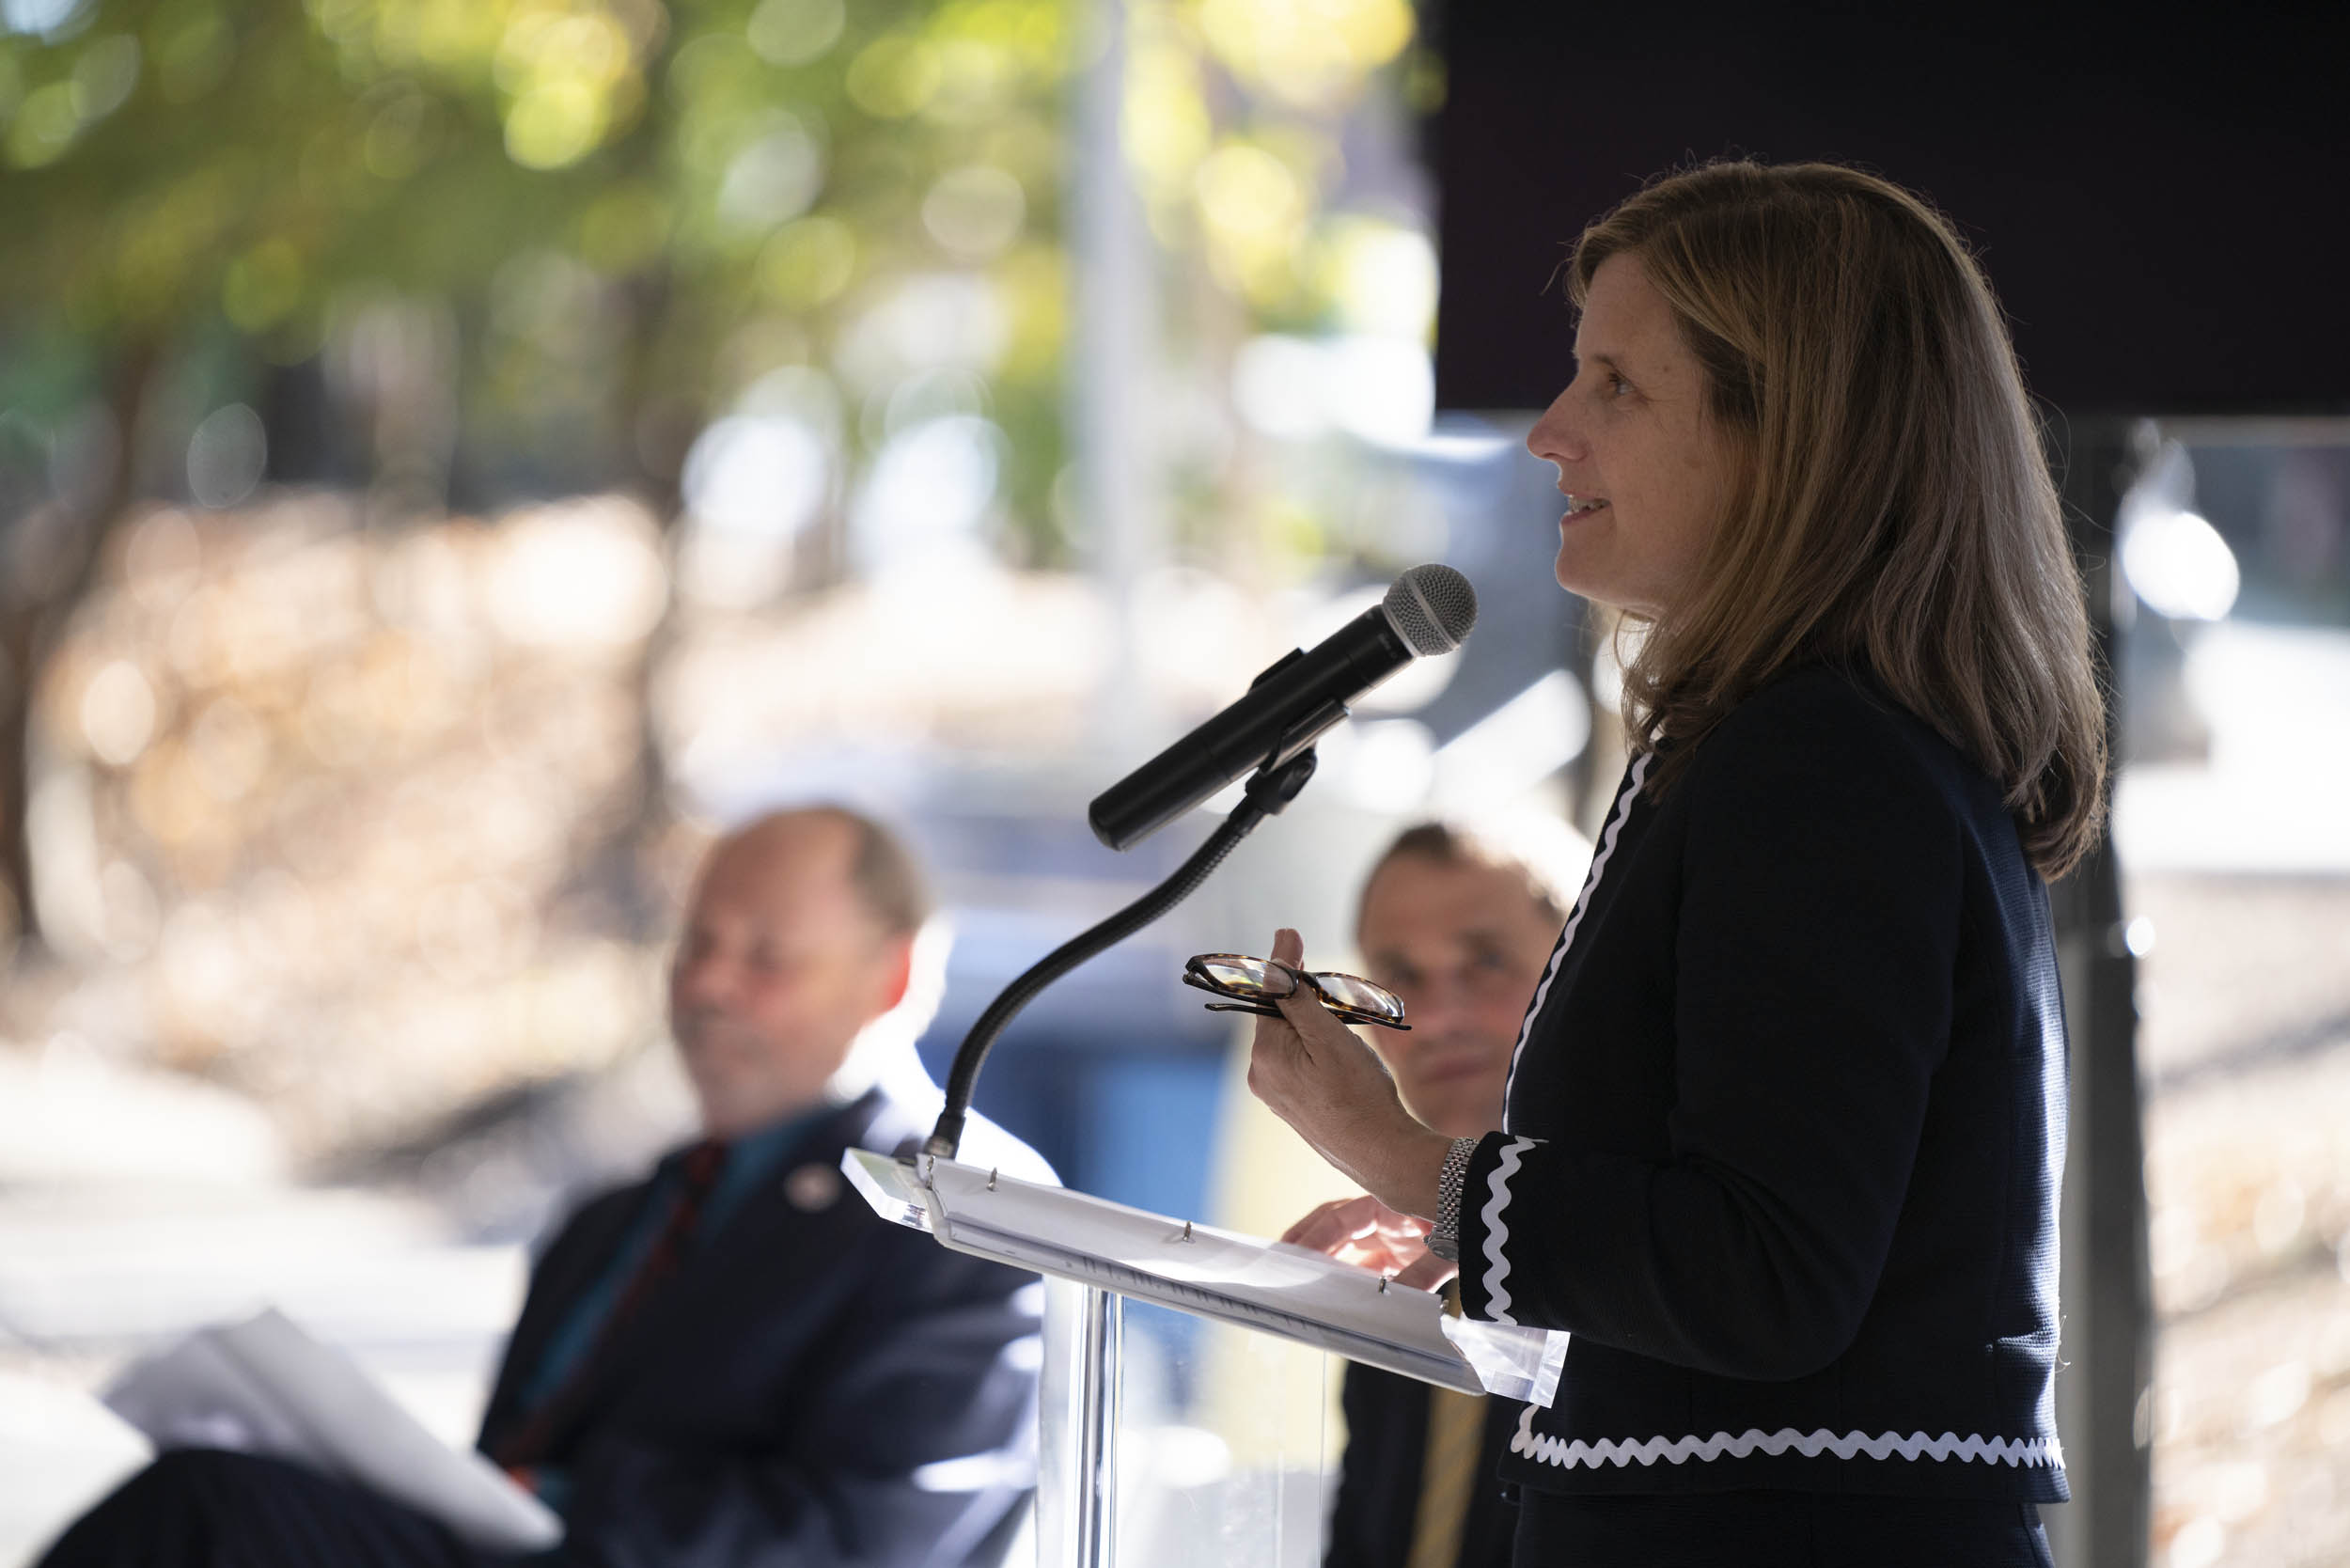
{"points": [[472, 252], [647, 206], [624, 213]]}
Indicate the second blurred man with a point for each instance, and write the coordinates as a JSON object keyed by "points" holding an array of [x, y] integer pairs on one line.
{"points": [[1459, 929]]}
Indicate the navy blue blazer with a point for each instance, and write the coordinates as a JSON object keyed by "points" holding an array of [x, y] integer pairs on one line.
{"points": [[814, 1385], [1785, 1128]]}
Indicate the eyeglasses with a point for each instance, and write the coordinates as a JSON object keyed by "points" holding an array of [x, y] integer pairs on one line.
{"points": [[1258, 982]]}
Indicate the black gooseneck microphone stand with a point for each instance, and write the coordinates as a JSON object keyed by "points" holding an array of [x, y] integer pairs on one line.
{"points": [[1273, 786]]}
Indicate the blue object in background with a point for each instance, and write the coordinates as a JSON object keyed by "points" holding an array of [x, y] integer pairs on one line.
{"points": [[1145, 1127]]}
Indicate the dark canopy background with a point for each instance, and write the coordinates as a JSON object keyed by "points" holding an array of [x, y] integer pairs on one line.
{"points": [[2158, 196]]}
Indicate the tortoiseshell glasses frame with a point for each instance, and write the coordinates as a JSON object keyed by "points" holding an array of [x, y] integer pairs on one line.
{"points": [[1257, 983]]}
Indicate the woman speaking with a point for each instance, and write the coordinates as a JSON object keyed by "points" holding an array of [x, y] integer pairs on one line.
{"points": [[1786, 1115]]}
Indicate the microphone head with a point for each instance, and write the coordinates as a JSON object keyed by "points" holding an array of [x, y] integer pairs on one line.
{"points": [[1432, 609]]}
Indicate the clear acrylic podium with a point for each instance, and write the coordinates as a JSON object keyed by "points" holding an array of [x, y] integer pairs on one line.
{"points": [[1097, 1255]]}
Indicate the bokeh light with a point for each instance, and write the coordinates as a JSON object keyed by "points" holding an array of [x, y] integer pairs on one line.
{"points": [[227, 456]]}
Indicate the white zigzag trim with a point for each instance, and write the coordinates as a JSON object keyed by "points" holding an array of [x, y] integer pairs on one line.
{"points": [[2011, 1451], [1582, 903], [1497, 1267]]}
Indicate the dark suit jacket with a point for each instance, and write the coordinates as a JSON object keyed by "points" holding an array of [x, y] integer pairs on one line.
{"points": [[814, 1385], [1379, 1478]]}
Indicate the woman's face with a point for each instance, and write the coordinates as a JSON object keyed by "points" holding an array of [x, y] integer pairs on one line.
{"points": [[1645, 469]]}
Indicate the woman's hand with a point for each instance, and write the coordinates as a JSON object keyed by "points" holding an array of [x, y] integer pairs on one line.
{"points": [[1315, 1075], [1367, 1233]]}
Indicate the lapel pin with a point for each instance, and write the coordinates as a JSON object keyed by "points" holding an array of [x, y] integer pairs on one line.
{"points": [[812, 1188]]}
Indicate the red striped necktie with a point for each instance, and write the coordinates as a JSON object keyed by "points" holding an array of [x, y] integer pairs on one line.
{"points": [[548, 1428]]}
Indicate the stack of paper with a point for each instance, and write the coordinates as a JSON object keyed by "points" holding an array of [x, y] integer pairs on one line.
{"points": [[265, 1387]]}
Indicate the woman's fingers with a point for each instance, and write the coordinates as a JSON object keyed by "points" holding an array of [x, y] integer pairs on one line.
{"points": [[1426, 1272], [1363, 1232], [1280, 1058], [1290, 948], [1316, 1031], [1346, 1221], [1328, 1224], [1375, 1255]]}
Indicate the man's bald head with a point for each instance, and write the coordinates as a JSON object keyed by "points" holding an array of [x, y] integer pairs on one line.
{"points": [[800, 934], [881, 868]]}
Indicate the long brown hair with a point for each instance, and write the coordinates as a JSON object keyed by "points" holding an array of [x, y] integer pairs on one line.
{"points": [[1895, 512]]}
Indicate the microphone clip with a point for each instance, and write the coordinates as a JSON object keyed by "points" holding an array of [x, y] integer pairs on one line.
{"points": [[1277, 783]]}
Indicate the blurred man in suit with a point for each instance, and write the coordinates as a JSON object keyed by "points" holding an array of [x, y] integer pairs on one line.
{"points": [[733, 1361], [1460, 928]]}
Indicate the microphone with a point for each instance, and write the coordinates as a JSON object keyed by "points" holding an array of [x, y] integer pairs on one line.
{"points": [[1428, 611]]}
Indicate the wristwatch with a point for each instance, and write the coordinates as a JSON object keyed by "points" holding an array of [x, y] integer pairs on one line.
{"points": [[1444, 1240]]}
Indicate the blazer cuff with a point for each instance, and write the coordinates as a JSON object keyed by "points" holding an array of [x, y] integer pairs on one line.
{"points": [[1486, 1234]]}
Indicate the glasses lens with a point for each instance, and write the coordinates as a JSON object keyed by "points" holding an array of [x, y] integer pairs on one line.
{"points": [[1248, 977], [1353, 991]]}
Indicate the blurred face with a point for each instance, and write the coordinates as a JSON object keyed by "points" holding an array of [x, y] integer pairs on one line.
{"points": [[779, 967], [1463, 945], [1645, 469]]}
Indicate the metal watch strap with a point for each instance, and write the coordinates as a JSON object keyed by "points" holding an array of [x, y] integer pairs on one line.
{"points": [[1444, 1240]]}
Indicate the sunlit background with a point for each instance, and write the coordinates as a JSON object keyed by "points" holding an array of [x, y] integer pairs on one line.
{"points": [[455, 455]]}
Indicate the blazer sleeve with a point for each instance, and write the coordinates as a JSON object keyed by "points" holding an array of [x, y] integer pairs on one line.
{"points": [[904, 1438], [1816, 935]]}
